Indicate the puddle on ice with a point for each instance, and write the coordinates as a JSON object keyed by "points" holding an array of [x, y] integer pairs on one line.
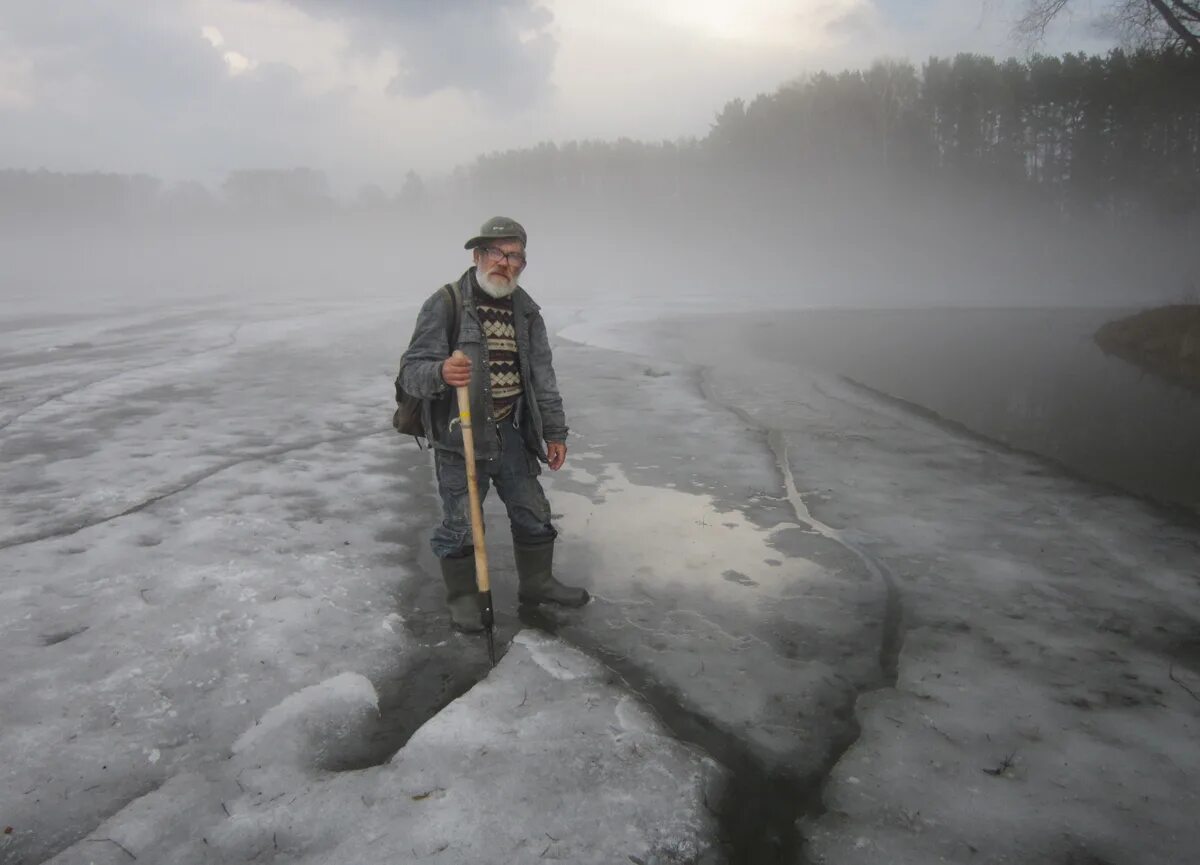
{"points": [[642, 539], [692, 597]]}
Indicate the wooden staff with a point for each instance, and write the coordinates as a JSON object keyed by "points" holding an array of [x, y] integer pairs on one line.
{"points": [[481, 565]]}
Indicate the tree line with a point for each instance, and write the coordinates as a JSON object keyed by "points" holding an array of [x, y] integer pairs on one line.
{"points": [[1114, 136]]}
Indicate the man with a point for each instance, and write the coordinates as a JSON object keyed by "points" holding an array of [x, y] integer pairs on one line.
{"points": [[516, 412]]}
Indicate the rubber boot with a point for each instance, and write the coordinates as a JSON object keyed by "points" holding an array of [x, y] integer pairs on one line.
{"points": [[462, 595], [535, 575]]}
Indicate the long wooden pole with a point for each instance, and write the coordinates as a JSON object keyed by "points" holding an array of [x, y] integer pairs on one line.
{"points": [[482, 580]]}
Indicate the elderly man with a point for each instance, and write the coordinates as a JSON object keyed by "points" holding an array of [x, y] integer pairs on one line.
{"points": [[516, 409]]}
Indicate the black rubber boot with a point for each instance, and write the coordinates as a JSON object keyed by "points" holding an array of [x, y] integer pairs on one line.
{"points": [[462, 595], [535, 574]]}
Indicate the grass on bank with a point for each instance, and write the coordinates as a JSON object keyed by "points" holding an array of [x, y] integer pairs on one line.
{"points": [[1163, 341]]}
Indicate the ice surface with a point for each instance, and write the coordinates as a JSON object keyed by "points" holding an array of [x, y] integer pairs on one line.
{"points": [[1045, 705], [544, 759], [211, 535], [311, 724], [195, 527], [212, 544]]}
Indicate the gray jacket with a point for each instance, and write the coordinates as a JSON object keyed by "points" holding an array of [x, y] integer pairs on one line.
{"points": [[540, 410]]}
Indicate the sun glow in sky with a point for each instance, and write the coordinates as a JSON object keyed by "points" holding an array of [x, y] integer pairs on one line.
{"points": [[715, 18], [764, 22]]}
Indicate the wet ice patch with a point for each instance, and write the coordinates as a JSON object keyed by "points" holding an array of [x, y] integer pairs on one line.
{"points": [[581, 475], [647, 538]]}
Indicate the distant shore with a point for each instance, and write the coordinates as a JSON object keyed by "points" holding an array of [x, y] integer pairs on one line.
{"points": [[1163, 341]]}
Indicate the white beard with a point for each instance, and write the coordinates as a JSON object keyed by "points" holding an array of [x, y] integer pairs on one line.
{"points": [[491, 287]]}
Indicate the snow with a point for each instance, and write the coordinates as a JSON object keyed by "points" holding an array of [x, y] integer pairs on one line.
{"points": [[529, 765], [320, 717], [221, 624], [214, 547]]}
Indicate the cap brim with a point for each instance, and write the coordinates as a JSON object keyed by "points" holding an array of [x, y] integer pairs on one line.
{"points": [[477, 241]]}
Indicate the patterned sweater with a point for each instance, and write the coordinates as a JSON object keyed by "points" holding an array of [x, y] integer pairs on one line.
{"points": [[496, 318]]}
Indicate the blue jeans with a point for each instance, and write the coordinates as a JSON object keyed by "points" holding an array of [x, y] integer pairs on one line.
{"points": [[515, 475]]}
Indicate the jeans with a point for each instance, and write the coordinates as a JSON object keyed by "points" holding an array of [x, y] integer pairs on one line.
{"points": [[515, 475]]}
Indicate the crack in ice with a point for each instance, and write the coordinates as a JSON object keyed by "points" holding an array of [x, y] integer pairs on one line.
{"points": [[188, 483]]}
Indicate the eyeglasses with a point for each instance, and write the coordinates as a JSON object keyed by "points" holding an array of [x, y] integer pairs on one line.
{"points": [[496, 255]]}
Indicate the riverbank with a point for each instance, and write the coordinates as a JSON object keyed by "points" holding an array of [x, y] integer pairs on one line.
{"points": [[1163, 341]]}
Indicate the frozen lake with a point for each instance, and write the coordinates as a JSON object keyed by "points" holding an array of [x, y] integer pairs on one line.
{"points": [[900, 642], [1031, 378]]}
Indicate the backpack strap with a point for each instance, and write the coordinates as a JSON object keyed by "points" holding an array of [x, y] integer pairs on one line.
{"points": [[456, 315], [454, 325], [451, 336]]}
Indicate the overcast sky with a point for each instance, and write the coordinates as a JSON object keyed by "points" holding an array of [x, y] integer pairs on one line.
{"points": [[367, 89]]}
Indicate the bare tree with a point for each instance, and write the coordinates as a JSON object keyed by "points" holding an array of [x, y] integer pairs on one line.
{"points": [[1149, 23]]}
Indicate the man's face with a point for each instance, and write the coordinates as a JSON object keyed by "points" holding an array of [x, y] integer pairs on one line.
{"points": [[501, 261]]}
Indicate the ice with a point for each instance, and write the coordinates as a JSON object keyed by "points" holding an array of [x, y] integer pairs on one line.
{"points": [[1044, 705], [310, 724], [208, 529], [211, 535], [529, 765]]}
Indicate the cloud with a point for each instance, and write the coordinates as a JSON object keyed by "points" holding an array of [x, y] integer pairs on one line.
{"points": [[126, 85], [16, 80], [368, 89], [236, 61], [213, 35], [501, 49], [105, 48], [854, 23]]}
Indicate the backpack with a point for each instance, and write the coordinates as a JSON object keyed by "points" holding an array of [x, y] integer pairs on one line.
{"points": [[407, 419]]}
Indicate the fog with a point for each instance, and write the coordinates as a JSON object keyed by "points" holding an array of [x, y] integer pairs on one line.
{"points": [[767, 255], [961, 183], [753, 247]]}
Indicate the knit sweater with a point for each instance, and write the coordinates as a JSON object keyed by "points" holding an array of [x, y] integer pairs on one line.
{"points": [[496, 319]]}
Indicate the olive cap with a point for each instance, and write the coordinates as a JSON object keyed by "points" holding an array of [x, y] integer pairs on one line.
{"points": [[497, 228]]}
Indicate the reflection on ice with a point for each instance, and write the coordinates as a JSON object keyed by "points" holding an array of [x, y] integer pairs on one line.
{"points": [[645, 541]]}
